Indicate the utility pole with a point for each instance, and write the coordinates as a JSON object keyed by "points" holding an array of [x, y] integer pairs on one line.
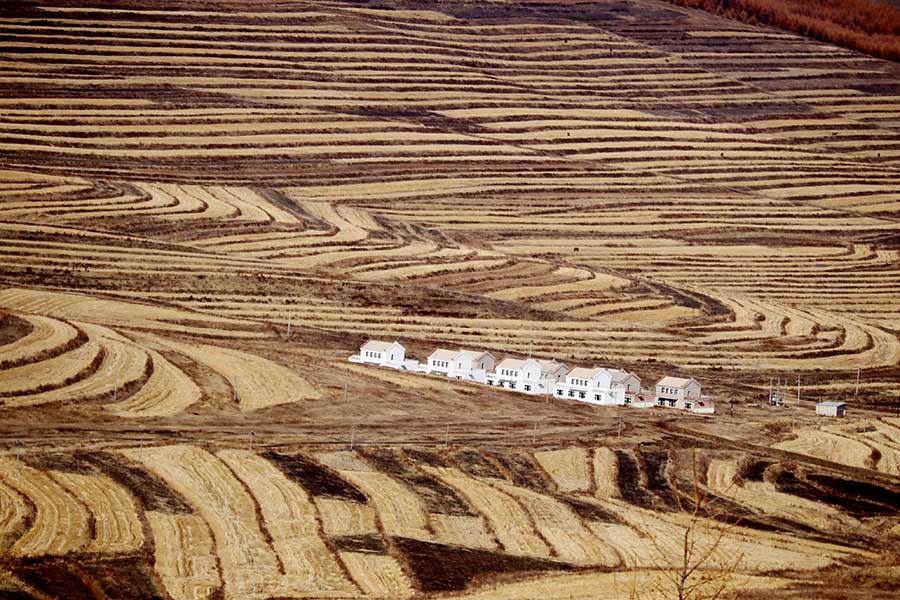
{"points": [[352, 435], [289, 327], [447, 437], [621, 423], [770, 389], [250, 442], [798, 390], [534, 434], [857, 382], [116, 388]]}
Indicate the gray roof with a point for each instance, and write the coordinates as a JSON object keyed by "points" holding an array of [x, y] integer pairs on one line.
{"points": [[831, 404]]}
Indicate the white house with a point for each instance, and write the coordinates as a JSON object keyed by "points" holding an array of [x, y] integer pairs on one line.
{"points": [[831, 409], [383, 354], [529, 376], [676, 392], [630, 382], [440, 362], [599, 386], [472, 365]]}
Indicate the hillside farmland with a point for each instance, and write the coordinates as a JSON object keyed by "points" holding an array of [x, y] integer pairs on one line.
{"points": [[629, 184], [182, 521]]}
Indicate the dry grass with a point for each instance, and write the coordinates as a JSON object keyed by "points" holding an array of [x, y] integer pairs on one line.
{"points": [[569, 468], [184, 554], [117, 527], [257, 382], [649, 187], [511, 525], [248, 563], [378, 575], [399, 510], [343, 518], [60, 524], [291, 518]]}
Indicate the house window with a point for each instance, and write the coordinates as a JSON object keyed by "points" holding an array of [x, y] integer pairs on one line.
{"points": [[597, 397], [581, 395], [662, 402], [559, 392], [490, 382], [627, 400], [571, 393], [527, 388], [512, 385], [672, 403], [687, 406]]}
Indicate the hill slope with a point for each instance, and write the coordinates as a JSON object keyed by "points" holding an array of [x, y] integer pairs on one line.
{"points": [[622, 183]]}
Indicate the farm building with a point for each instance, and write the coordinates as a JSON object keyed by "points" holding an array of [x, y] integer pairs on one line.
{"points": [[677, 392], [383, 354], [831, 409], [440, 362], [628, 383], [469, 365], [472, 365], [530, 376], [598, 386]]}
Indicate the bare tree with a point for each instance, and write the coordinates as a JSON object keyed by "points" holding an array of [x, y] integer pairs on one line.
{"points": [[700, 568]]}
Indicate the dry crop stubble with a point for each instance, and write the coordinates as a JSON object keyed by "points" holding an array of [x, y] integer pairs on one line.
{"points": [[117, 527], [558, 182], [568, 468], [291, 518], [507, 519], [184, 555], [250, 567], [61, 523]]}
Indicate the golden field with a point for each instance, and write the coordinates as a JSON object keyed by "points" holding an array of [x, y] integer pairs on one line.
{"points": [[632, 184]]}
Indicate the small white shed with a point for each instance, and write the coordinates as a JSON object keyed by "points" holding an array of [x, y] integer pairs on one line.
{"points": [[831, 409]]}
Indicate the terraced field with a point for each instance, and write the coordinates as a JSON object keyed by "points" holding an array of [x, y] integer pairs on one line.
{"points": [[206, 206], [200, 523], [525, 176]]}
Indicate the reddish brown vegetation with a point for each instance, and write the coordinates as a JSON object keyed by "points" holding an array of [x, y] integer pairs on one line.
{"points": [[870, 26]]}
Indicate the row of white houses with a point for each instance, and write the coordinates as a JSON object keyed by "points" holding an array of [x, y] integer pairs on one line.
{"points": [[541, 377]]}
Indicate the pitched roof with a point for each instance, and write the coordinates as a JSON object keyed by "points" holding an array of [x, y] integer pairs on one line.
{"points": [[442, 354], [473, 354], [511, 363], [376, 346], [582, 373], [548, 366], [619, 375], [675, 382], [831, 404]]}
